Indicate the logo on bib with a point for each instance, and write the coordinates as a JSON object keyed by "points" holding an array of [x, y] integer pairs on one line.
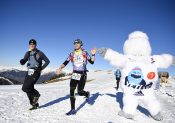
{"points": [[135, 76], [78, 60], [151, 75]]}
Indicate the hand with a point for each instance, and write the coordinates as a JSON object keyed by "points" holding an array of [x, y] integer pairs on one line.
{"points": [[102, 51], [93, 51], [59, 71], [22, 62]]}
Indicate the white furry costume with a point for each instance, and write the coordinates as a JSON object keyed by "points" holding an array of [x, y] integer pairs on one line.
{"points": [[139, 72]]}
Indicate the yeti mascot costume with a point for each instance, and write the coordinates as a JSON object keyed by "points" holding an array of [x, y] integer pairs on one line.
{"points": [[139, 73]]}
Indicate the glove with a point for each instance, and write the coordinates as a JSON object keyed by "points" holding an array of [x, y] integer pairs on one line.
{"points": [[22, 62], [102, 51]]}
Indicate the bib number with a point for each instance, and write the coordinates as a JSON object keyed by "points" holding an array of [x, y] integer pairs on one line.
{"points": [[76, 76], [30, 72]]}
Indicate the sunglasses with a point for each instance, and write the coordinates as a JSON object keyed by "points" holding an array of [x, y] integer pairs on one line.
{"points": [[76, 42], [32, 44]]}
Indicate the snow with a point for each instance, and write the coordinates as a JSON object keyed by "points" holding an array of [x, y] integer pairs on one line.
{"points": [[104, 104]]}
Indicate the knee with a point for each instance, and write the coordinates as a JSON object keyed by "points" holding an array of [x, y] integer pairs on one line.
{"points": [[154, 107], [24, 89], [129, 105]]}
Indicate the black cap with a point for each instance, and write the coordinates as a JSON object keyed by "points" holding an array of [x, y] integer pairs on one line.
{"points": [[33, 41], [78, 41]]}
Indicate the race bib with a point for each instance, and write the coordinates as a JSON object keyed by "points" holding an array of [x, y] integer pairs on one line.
{"points": [[76, 76], [30, 72]]}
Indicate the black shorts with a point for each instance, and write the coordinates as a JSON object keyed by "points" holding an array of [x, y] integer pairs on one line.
{"points": [[80, 83]]}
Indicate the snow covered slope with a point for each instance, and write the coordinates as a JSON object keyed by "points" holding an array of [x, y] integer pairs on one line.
{"points": [[104, 104], [16, 75]]}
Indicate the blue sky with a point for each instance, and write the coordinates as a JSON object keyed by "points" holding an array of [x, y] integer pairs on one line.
{"points": [[99, 23]]}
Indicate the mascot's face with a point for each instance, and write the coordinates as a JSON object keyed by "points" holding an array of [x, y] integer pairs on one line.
{"points": [[137, 44], [135, 76]]}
